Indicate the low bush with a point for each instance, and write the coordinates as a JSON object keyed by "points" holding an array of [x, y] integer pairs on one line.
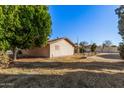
{"points": [[5, 60], [121, 50]]}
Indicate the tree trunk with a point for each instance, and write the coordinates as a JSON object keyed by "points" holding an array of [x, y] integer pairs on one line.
{"points": [[78, 51], [15, 54], [102, 49]]}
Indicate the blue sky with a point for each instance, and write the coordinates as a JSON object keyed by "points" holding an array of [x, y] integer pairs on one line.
{"points": [[87, 23]]}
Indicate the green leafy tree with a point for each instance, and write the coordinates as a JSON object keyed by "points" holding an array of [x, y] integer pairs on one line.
{"points": [[24, 27], [84, 43], [4, 45], [83, 46], [93, 47], [82, 50], [107, 43], [120, 12], [121, 49]]}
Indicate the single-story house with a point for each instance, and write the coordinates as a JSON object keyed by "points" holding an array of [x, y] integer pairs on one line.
{"points": [[55, 48]]}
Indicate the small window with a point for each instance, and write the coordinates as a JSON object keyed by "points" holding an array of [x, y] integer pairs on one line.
{"points": [[57, 47]]}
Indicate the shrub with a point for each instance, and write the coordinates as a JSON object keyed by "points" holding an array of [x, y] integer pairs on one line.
{"points": [[5, 60], [121, 50], [93, 47], [82, 50]]}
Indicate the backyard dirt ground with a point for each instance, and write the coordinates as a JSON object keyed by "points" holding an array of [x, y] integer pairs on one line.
{"points": [[103, 70]]}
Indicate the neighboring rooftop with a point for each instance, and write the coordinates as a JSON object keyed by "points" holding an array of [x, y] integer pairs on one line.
{"points": [[63, 38]]}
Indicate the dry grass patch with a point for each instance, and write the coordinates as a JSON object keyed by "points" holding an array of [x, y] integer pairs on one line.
{"points": [[71, 71]]}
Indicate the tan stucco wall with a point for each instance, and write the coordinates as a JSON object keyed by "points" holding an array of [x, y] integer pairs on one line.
{"points": [[107, 49], [37, 52], [65, 49]]}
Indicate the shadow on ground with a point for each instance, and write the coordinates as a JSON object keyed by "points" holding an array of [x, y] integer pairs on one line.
{"points": [[71, 65], [79, 79], [110, 56], [68, 80], [76, 79]]}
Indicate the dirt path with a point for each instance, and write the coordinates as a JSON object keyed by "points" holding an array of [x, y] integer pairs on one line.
{"points": [[107, 57]]}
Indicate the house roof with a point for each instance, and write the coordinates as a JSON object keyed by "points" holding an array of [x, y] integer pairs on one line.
{"points": [[58, 39]]}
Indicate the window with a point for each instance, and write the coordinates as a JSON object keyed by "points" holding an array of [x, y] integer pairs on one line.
{"points": [[57, 47]]}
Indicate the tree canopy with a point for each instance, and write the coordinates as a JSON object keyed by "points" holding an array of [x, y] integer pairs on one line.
{"points": [[93, 47], [24, 26], [120, 12], [107, 43], [83, 43]]}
